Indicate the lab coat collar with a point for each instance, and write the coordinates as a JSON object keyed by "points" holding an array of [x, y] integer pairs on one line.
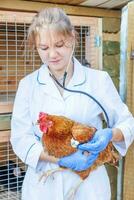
{"points": [[45, 80], [78, 78]]}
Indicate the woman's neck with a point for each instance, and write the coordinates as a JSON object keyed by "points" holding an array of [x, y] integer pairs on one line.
{"points": [[59, 74]]}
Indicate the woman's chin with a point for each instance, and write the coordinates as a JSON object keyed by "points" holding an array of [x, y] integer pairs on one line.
{"points": [[57, 67]]}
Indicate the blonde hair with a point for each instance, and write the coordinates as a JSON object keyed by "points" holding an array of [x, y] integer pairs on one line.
{"points": [[54, 18]]}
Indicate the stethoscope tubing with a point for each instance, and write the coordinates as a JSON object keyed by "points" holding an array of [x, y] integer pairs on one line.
{"points": [[80, 92]]}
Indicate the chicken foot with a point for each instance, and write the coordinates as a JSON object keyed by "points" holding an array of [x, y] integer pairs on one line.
{"points": [[72, 192], [50, 173]]}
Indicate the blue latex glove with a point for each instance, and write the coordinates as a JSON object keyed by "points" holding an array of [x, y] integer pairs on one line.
{"points": [[78, 161], [99, 142]]}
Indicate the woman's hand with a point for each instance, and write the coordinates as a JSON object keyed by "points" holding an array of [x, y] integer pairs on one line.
{"points": [[78, 161], [45, 157], [99, 142]]}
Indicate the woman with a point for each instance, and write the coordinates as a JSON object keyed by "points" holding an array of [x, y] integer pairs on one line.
{"points": [[52, 34]]}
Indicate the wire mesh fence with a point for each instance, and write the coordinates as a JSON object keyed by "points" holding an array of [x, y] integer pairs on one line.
{"points": [[12, 172], [10, 195], [15, 59]]}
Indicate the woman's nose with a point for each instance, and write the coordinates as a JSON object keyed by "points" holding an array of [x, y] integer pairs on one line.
{"points": [[52, 53]]}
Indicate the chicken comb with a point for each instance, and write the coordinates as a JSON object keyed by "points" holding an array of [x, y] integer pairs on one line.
{"points": [[42, 116], [44, 123]]}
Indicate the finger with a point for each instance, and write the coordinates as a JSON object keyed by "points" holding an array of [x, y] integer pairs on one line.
{"points": [[86, 153], [64, 162], [91, 147], [67, 164], [92, 158]]}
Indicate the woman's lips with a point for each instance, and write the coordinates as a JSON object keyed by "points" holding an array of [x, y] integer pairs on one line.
{"points": [[54, 61]]}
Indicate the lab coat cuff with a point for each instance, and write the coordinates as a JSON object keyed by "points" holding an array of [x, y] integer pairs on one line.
{"points": [[128, 138], [33, 155]]}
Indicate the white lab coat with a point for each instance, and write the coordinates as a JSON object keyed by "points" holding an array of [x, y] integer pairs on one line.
{"points": [[38, 92]]}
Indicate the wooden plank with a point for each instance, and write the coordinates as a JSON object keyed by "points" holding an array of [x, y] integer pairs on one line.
{"points": [[4, 136], [5, 122], [21, 17], [71, 10], [111, 36], [113, 3], [6, 108], [53, 1], [83, 21], [105, 3], [75, 2], [17, 17], [93, 3], [99, 49]]}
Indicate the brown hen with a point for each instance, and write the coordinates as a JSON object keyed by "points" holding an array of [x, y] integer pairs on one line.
{"points": [[58, 132]]}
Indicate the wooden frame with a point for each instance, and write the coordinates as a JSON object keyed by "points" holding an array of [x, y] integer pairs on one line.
{"points": [[4, 136], [5, 108], [94, 22], [20, 5]]}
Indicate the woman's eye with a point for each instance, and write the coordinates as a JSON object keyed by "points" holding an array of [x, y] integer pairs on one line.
{"points": [[43, 48], [59, 45]]}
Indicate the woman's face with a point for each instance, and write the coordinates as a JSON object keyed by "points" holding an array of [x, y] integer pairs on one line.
{"points": [[54, 49]]}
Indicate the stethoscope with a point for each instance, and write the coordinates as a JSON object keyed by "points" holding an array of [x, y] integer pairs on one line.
{"points": [[76, 91]]}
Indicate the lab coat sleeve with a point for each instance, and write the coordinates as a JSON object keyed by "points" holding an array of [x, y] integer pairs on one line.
{"points": [[23, 140], [119, 115]]}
